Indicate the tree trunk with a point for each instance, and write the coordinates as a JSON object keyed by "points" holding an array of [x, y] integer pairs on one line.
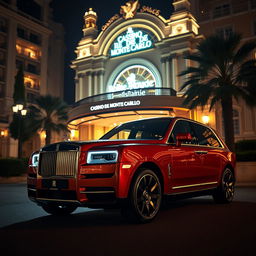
{"points": [[48, 137], [227, 114]]}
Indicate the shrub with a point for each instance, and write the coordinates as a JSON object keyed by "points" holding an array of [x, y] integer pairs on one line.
{"points": [[245, 145], [246, 156], [246, 150], [13, 167]]}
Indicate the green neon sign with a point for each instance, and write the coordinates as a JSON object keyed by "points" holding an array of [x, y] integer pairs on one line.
{"points": [[133, 40]]}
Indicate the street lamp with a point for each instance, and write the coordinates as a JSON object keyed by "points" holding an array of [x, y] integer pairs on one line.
{"points": [[20, 111]]}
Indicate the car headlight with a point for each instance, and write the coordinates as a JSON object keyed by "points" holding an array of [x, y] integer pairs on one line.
{"points": [[102, 157], [35, 160]]}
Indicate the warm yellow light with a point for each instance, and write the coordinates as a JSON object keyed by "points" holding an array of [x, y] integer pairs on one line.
{"points": [[74, 134], [42, 134], [15, 109], [23, 112], [4, 133], [18, 48], [19, 106], [205, 119]]}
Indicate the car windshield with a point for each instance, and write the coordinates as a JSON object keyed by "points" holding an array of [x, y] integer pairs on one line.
{"points": [[150, 129]]}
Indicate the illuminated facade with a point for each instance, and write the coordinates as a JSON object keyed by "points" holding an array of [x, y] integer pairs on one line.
{"points": [[129, 69], [33, 41], [223, 17]]}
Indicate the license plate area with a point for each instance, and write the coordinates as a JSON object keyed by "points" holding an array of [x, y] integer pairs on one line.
{"points": [[55, 184]]}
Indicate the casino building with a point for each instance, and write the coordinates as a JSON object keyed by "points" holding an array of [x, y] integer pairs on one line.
{"points": [[129, 70]]}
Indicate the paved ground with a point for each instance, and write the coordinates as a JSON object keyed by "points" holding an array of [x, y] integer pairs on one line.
{"points": [[189, 227]]}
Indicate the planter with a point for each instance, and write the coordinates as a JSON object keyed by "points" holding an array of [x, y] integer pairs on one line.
{"points": [[246, 172]]}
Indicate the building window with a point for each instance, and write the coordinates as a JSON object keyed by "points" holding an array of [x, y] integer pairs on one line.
{"points": [[3, 43], [253, 4], [239, 6], [30, 7], [2, 74], [31, 83], [31, 53], [3, 25], [29, 35], [221, 10], [34, 38], [32, 68], [2, 58], [236, 123], [19, 63], [254, 27], [224, 31], [31, 97], [21, 32]]}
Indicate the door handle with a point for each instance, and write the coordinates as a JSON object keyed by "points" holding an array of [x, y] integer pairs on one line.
{"points": [[201, 152]]}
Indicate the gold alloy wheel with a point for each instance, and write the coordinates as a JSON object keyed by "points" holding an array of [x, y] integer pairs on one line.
{"points": [[147, 195], [228, 184]]}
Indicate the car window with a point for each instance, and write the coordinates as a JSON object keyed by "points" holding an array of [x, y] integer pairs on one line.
{"points": [[154, 129], [205, 136], [182, 126]]}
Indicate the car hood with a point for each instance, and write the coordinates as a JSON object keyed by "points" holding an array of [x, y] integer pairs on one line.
{"points": [[85, 145]]}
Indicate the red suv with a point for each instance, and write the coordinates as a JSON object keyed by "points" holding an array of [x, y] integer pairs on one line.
{"points": [[134, 167]]}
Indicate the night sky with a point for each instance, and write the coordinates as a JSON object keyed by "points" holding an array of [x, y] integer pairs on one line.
{"points": [[70, 13]]}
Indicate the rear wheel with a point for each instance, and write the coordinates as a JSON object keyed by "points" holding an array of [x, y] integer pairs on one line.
{"points": [[225, 192], [145, 197], [57, 209]]}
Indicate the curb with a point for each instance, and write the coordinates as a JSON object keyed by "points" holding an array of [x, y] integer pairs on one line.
{"points": [[13, 180]]}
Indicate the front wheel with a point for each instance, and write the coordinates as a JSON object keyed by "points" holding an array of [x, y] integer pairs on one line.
{"points": [[225, 192], [57, 209], [144, 198]]}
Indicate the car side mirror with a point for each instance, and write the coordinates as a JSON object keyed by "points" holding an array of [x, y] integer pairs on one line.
{"points": [[182, 137]]}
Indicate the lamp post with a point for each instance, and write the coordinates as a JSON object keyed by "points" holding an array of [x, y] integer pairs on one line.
{"points": [[20, 111]]}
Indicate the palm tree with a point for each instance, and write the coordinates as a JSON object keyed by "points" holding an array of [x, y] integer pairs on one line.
{"points": [[223, 72], [49, 114]]}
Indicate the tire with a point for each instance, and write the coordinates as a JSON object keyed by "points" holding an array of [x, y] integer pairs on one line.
{"points": [[144, 197], [225, 192], [57, 209]]}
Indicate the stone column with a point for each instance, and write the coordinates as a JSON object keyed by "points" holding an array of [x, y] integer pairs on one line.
{"points": [[175, 84], [89, 76], [95, 84], [163, 61], [101, 85], [168, 73], [79, 85], [76, 88]]}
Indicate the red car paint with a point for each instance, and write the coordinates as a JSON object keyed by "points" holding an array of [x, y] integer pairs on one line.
{"points": [[181, 167]]}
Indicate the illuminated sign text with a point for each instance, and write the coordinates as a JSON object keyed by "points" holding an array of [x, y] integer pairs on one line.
{"points": [[119, 104], [131, 41]]}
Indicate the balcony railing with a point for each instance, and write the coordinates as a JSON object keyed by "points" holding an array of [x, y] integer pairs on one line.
{"points": [[127, 93]]}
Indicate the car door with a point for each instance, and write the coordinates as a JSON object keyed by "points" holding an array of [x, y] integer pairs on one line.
{"points": [[209, 149], [185, 163]]}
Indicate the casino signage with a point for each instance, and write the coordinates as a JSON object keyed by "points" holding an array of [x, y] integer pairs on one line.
{"points": [[132, 40]]}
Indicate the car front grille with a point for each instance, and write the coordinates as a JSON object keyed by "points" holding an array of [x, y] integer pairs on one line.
{"points": [[60, 163]]}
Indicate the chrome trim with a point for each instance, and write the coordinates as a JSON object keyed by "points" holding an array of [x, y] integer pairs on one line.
{"points": [[201, 152], [58, 164], [96, 192], [32, 189], [191, 191], [196, 185], [56, 200]]}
